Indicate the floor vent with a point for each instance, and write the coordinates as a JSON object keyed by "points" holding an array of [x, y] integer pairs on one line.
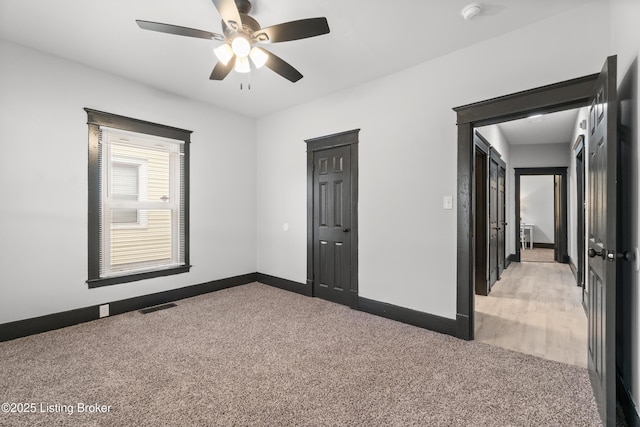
{"points": [[157, 308]]}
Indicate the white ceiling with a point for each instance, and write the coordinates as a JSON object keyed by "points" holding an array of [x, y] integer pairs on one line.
{"points": [[553, 128], [368, 39]]}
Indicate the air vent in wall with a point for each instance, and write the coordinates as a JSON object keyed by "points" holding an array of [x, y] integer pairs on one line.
{"points": [[157, 308]]}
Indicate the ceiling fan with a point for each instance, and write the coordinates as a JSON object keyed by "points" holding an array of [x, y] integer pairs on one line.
{"points": [[241, 36]]}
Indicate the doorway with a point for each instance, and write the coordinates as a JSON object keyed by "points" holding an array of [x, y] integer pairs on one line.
{"points": [[557, 97], [531, 219], [332, 217], [599, 92]]}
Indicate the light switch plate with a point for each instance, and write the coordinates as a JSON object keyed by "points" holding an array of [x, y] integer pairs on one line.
{"points": [[447, 202]]}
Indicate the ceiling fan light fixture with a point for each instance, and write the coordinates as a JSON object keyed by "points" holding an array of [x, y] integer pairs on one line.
{"points": [[241, 46], [224, 53], [258, 56], [242, 64]]}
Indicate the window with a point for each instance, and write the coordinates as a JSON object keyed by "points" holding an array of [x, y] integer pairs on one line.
{"points": [[128, 182], [138, 199]]}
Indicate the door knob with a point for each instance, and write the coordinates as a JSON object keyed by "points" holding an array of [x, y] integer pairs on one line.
{"points": [[626, 256], [345, 230], [592, 253]]}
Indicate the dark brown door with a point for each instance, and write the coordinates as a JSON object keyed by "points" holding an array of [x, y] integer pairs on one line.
{"points": [[481, 283], [602, 241], [332, 224], [493, 223], [501, 221], [557, 213]]}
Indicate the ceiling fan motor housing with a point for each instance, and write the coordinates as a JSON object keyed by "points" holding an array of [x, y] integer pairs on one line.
{"points": [[244, 6], [249, 25]]}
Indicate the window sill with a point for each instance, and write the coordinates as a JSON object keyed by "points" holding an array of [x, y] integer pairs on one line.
{"points": [[116, 280]]}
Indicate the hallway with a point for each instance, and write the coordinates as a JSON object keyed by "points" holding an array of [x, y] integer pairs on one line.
{"points": [[536, 309]]}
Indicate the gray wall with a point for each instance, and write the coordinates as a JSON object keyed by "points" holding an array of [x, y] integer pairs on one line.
{"points": [[537, 206]]}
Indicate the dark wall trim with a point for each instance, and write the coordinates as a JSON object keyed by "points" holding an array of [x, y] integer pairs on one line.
{"points": [[545, 99], [96, 283], [628, 408], [569, 94], [406, 315], [100, 118], [132, 304], [36, 325], [285, 284], [349, 138], [544, 245]]}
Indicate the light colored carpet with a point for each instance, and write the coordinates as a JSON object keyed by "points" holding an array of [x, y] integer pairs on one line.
{"points": [[256, 355]]}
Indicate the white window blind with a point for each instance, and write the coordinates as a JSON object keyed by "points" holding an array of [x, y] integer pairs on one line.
{"points": [[141, 202], [125, 181]]}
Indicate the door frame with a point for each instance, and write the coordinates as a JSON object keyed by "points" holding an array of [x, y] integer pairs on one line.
{"points": [[578, 153], [348, 138], [559, 212], [561, 96]]}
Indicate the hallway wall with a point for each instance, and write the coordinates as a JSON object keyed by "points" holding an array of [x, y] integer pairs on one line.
{"points": [[537, 206]]}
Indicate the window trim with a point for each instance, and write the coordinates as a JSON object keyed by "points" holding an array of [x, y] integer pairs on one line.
{"points": [[95, 119]]}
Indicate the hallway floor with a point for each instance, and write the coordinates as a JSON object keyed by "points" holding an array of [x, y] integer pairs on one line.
{"points": [[537, 255], [536, 308]]}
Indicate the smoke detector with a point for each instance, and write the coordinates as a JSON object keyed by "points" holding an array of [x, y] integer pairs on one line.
{"points": [[470, 11]]}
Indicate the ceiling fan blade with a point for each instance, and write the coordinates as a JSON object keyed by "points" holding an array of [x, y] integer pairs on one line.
{"points": [[229, 13], [282, 67], [180, 31], [294, 30], [220, 71]]}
